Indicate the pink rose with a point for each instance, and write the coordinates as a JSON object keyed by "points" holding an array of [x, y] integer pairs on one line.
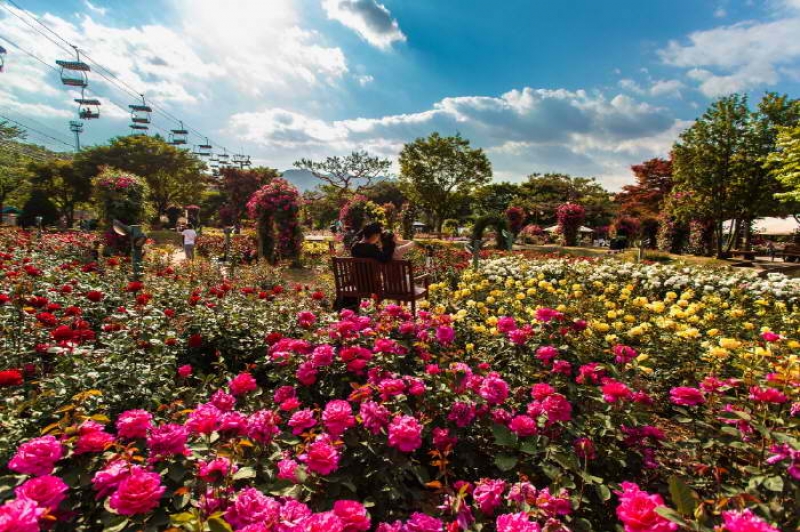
{"points": [[204, 419], [167, 440], [516, 523], [523, 426], [637, 510], [405, 434], [321, 457], [445, 335], [422, 523], [241, 384], [493, 389], [215, 470], [324, 522], [287, 470], [374, 416], [134, 424], [353, 515], [745, 521], [138, 493], [302, 420], [338, 417], [37, 456], [686, 396], [185, 371], [263, 425], [488, 495], [253, 507], [20, 515], [47, 491], [615, 391], [107, 479]]}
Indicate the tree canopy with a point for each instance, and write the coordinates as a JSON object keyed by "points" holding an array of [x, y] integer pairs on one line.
{"points": [[348, 175], [436, 172], [174, 176]]}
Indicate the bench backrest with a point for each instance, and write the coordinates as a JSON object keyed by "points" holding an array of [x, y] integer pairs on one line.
{"points": [[364, 278]]}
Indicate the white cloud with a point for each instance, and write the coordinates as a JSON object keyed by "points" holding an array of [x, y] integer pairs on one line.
{"points": [[656, 87], [740, 56], [720, 12], [95, 9], [523, 130], [666, 87], [369, 18], [365, 80]]}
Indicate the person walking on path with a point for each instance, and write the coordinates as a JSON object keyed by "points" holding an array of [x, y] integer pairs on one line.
{"points": [[189, 238]]}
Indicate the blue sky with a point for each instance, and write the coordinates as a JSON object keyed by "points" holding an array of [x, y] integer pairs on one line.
{"points": [[583, 87]]}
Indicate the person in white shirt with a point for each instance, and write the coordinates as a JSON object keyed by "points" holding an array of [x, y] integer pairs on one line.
{"points": [[189, 238], [394, 246]]}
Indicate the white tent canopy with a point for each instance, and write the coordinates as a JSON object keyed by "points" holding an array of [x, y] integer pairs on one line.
{"points": [[554, 228], [770, 226]]}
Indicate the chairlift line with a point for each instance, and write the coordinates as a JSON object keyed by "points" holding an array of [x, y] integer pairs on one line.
{"points": [[75, 74]]}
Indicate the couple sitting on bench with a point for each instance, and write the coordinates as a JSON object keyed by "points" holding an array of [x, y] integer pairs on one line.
{"points": [[377, 270], [375, 243]]}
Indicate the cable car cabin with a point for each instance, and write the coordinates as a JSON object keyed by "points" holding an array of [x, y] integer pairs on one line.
{"points": [[74, 73], [138, 129], [88, 109], [178, 137], [2, 58], [223, 157], [140, 114], [202, 150]]}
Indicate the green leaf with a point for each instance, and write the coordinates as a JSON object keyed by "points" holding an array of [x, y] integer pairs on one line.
{"points": [[245, 472], [218, 524], [505, 462], [603, 492], [682, 496], [503, 436], [181, 518], [671, 514], [774, 483], [529, 447], [117, 524]]}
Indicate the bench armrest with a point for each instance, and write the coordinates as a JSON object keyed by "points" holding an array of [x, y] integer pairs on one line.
{"points": [[425, 278]]}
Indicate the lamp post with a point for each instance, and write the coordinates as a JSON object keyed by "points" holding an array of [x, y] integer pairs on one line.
{"points": [[39, 220], [137, 239]]}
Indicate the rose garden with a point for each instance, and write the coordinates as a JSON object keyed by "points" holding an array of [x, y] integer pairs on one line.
{"points": [[540, 386]]}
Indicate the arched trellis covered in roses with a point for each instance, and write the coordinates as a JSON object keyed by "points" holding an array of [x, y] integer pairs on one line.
{"points": [[276, 209]]}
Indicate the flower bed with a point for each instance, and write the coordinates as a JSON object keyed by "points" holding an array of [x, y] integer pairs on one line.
{"points": [[538, 395]]}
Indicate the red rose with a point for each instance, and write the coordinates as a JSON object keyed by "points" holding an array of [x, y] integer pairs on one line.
{"points": [[10, 377], [134, 286], [62, 333], [196, 340], [95, 295]]}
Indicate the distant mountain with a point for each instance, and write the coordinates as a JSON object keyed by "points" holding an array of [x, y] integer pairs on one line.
{"points": [[302, 179], [305, 180]]}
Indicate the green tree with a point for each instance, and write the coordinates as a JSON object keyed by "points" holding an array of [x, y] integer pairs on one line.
{"points": [[437, 173], [785, 164], [12, 162], [63, 184], [349, 175], [494, 198], [720, 165], [38, 204], [708, 159], [387, 191], [173, 176], [542, 194]]}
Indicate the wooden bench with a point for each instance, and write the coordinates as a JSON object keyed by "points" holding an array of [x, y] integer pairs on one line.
{"points": [[746, 255], [358, 279], [790, 253]]}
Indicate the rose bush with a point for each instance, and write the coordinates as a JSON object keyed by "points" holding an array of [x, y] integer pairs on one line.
{"points": [[528, 395]]}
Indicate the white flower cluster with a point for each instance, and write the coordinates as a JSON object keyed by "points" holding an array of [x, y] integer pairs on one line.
{"points": [[650, 277]]}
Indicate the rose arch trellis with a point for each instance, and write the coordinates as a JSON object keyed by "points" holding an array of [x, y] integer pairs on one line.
{"points": [[276, 209]]}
